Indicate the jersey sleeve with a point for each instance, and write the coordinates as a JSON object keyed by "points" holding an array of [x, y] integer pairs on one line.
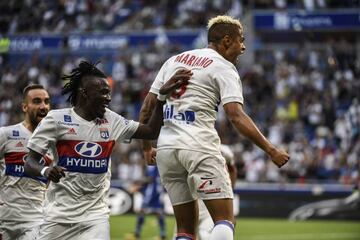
{"points": [[159, 80], [230, 86], [44, 135], [123, 128]]}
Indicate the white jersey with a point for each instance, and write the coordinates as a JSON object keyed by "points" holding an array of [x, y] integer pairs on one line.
{"points": [[84, 149], [190, 113], [21, 196]]}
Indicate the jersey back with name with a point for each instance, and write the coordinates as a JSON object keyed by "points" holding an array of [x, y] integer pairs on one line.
{"points": [[190, 113], [21, 196], [83, 148]]}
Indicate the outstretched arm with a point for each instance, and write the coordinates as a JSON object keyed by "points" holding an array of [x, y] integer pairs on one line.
{"points": [[33, 168], [245, 125]]}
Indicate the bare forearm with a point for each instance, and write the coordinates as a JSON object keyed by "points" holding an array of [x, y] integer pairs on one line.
{"points": [[247, 127], [145, 115], [151, 129], [244, 125], [32, 166], [156, 119]]}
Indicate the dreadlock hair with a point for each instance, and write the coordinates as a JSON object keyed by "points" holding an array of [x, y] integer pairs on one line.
{"points": [[85, 69]]}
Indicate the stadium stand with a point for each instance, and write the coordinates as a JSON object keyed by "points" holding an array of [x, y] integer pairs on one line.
{"points": [[301, 88]]}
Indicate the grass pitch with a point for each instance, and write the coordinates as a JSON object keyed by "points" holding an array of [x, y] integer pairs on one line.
{"points": [[122, 228]]}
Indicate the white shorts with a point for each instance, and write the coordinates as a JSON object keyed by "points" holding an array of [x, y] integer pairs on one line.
{"points": [[188, 175], [94, 230], [19, 230]]}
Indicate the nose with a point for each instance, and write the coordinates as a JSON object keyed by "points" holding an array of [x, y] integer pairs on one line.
{"points": [[43, 105], [108, 97], [243, 48]]}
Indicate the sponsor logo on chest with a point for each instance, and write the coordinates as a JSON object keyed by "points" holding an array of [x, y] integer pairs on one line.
{"points": [[185, 117]]}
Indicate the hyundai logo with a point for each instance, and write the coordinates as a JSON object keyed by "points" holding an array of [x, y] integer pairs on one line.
{"points": [[88, 149]]}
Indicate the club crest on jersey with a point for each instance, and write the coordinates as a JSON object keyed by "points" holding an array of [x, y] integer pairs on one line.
{"points": [[104, 133], [88, 149], [15, 133], [67, 118]]}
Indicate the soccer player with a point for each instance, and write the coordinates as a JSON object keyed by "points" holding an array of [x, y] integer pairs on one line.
{"points": [[83, 137], [21, 197], [188, 149], [152, 202]]}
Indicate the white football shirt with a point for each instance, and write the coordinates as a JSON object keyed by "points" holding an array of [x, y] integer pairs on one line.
{"points": [[21, 196], [84, 149], [190, 113]]}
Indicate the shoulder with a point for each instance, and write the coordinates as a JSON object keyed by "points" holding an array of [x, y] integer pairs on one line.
{"points": [[59, 112], [111, 117], [11, 129], [110, 114]]}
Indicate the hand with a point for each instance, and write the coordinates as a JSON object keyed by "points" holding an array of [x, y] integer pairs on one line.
{"points": [[55, 173], [279, 157], [180, 78], [150, 156]]}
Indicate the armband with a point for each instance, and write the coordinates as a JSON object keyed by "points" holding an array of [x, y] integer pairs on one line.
{"points": [[43, 171], [161, 97]]}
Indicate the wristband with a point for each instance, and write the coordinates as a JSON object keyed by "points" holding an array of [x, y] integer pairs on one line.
{"points": [[161, 97], [43, 171]]}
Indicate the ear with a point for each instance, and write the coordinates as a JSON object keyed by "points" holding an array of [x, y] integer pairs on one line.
{"points": [[24, 107], [227, 41]]}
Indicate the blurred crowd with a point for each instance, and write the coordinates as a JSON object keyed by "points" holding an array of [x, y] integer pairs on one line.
{"points": [[78, 16], [305, 98]]}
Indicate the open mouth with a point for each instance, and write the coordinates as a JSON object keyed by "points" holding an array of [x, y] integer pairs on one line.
{"points": [[42, 114]]}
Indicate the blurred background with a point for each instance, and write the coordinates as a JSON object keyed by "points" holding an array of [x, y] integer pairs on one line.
{"points": [[300, 75]]}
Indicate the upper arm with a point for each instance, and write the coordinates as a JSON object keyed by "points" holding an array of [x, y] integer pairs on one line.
{"points": [[233, 111], [229, 84], [44, 135], [123, 129]]}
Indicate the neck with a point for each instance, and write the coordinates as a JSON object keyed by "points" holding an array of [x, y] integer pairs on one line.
{"points": [[214, 47], [83, 113], [27, 124], [219, 49]]}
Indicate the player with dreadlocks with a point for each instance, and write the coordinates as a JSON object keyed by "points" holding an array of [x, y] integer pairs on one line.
{"points": [[84, 137]]}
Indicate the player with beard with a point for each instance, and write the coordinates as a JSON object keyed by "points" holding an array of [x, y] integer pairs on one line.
{"points": [[21, 196], [84, 136]]}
